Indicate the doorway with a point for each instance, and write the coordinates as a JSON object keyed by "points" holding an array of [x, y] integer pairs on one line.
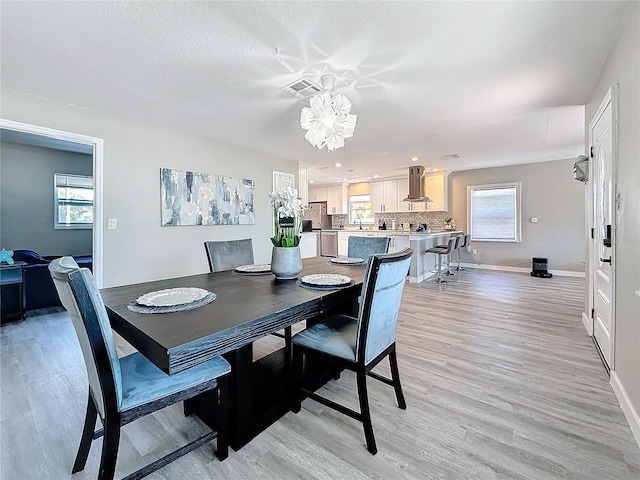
{"points": [[602, 138], [53, 137]]}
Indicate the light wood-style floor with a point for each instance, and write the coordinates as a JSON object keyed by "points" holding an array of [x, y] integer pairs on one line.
{"points": [[500, 378]]}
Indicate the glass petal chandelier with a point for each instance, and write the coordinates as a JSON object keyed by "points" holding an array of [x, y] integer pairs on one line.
{"points": [[327, 120]]}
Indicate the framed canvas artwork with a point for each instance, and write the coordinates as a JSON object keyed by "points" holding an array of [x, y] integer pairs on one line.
{"points": [[192, 198]]}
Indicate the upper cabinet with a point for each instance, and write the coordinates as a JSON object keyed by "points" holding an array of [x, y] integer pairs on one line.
{"points": [[436, 189], [384, 196], [318, 194], [337, 199], [403, 192]]}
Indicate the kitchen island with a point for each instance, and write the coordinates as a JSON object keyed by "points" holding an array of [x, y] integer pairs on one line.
{"points": [[421, 262]]}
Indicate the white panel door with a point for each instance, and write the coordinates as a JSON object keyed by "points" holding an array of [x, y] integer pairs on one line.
{"points": [[602, 256]]}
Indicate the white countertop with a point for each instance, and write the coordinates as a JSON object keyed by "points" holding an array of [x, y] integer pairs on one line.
{"points": [[396, 232]]}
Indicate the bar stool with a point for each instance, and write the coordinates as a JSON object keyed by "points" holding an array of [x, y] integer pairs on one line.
{"points": [[440, 251], [456, 246], [464, 244]]}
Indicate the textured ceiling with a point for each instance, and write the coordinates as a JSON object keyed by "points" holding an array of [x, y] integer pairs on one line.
{"points": [[497, 83]]}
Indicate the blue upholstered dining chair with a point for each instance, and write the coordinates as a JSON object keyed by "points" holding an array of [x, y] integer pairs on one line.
{"points": [[124, 389], [226, 255], [364, 247], [359, 344]]}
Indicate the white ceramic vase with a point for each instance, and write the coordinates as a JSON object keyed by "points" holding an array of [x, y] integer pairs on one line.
{"points": [[286, 262]]}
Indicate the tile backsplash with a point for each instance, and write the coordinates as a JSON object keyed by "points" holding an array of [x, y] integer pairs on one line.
{"points": [[435, 220]]}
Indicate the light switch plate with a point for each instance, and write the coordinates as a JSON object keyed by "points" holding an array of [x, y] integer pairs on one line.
{"points": [[112, 223], [534, 219]]}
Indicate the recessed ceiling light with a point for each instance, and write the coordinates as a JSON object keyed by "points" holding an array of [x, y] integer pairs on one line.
{"points": [[311, 181], [434, 169], [375, 176], [344, 179], [414, 159], [338, 165], [451, 156]]}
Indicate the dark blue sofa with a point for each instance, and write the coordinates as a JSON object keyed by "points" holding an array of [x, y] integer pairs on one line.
{"points": [[39, 289]]}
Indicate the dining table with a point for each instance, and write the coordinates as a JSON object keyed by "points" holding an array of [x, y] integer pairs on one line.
{"points": [[246, 309]]}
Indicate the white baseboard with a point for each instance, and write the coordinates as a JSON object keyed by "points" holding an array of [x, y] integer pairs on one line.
{"points": [[588, 324], [627, 407], [505, 268]]}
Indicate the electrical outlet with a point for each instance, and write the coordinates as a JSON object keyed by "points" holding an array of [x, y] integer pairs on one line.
{"points": [[468, 248], [474, 251], [112, 224]]}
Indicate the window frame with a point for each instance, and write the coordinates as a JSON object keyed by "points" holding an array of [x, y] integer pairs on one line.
{"points": [[365, 221], [66, 180], [517, 213]]}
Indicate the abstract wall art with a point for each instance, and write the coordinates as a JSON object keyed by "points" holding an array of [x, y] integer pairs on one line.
{"points": [[191, 198]]}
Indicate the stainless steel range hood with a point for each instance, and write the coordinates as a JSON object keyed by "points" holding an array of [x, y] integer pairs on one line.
{"points": [[416, 185]]}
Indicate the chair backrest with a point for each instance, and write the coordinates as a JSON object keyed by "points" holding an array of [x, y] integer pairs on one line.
{"points": [[364, 247], [381, 296], [451, 245], [229, 254], [81, 298], [466, 240], [459, 240]]}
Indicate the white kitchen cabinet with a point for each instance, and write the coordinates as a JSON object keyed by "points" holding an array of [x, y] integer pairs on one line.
{"points": [[336, 200], [309, 244], [399, 242], [343, 238], [436, 189], [403, 192], [318, 194], [384, 196], [343, 241]]}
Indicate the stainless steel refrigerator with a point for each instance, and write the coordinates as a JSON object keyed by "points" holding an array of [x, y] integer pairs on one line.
{"points": [[317, 213]]}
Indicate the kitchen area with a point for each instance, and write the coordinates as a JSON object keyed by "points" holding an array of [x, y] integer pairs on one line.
{"points": [[411, 210]]}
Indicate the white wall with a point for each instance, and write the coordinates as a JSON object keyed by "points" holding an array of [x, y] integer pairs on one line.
{"points": [[623, 68], [549, 193], [140, 249]]}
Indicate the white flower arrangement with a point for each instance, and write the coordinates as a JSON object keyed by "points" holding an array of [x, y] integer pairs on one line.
{"points": [[288, 211]]}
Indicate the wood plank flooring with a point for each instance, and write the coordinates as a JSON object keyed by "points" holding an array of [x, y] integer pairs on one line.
{"points": [[500, 378]]}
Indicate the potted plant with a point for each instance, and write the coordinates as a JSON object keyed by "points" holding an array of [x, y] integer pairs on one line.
{"points": [[288, 210], [447, 222]]}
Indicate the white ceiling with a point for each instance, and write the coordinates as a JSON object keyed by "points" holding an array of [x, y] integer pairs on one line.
{"points": [[498, 83]]}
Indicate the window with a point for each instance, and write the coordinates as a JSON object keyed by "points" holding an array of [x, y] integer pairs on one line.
{"points": [[494, 212], [73, 201], [360, 207]]}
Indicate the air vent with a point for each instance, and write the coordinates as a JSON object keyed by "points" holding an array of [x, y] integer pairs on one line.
{"points": [[302, 88], [451, 156]]}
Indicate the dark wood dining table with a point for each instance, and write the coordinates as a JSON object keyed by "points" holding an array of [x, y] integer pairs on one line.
{"points": [[247, 308]]}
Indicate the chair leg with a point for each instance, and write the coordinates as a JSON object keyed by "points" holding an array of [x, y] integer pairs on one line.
{"points": [[459, 268], [222, 419], [298, 372], [364, 411], [439, 278], [449, 269], [395, 375], [110, 445], [87, 436]]}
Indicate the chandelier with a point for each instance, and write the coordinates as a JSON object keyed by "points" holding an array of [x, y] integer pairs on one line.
{"points": [[327, 120]]}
